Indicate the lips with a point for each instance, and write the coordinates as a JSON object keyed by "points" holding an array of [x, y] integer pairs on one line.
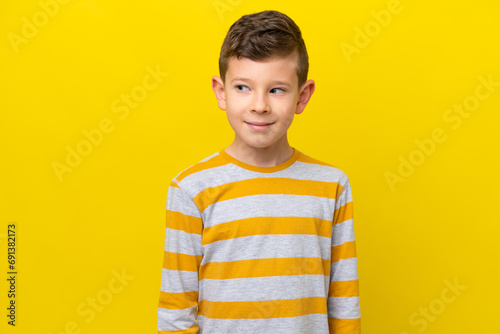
{"points": [[259, 123], [259, 126]]}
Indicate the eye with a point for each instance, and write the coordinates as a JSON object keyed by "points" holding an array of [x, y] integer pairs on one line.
{"points": [[242, 88], [277, 90]]}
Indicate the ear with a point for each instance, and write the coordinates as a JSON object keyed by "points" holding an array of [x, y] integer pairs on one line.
{"points": [[218, 88], [305, 93]]}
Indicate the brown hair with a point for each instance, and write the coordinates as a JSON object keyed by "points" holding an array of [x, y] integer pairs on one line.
{"points": [[262, 35]]}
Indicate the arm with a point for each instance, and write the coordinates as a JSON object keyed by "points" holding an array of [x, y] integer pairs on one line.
{"points": [[344, 315], [177, 307]]}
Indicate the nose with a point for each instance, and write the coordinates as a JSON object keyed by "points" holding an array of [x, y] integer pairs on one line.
{"points": [[260, 103]]}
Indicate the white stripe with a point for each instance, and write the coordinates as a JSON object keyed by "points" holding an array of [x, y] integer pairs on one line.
{"points": [[178, 280], [259, 206], [178, 241], [343, 232], [178, 201], [267, 246], [291, 325], [174, 320], [263, 288], [343, 307], [210, 157], [345, 197], [345, 270]]}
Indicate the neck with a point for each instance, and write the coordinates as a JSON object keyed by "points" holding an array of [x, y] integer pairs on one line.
{"points": [[261, 157]]}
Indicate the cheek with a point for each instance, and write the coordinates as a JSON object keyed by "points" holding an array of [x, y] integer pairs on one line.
{"points": [[233, 118], [286, 122], [288, 117], [233, 107]]}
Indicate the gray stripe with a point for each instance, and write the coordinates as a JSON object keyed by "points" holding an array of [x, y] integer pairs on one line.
{"points": [[178, 280], [345, 270], [343, 307], [346, 197], [267, 246], [174, 320], [310, 171], [343, 232], [259, 206], [178, 201], [291, 325], [263, 288], [210, 157], [178, 241]]}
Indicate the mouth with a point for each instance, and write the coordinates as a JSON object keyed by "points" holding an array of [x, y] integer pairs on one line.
{"points": [[260, 123], [259, 126]]}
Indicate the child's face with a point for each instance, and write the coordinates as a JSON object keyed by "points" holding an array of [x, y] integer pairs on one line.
{"points": [[261, 99]]}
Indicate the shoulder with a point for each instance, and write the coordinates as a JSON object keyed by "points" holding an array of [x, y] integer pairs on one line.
{"points": [[197, 176], [325, 170]]}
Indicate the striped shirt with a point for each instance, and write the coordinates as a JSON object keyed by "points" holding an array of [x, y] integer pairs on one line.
{"points": [[253, 249]]}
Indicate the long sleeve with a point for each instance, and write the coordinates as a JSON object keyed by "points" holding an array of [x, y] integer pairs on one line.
{"points": [[344, 315], [178, 301]]}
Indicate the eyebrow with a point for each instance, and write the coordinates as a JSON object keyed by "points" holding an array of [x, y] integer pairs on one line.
{"points": [[275, 82]]}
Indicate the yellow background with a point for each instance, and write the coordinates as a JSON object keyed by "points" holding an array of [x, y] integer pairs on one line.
{"points": [[76, 233]]}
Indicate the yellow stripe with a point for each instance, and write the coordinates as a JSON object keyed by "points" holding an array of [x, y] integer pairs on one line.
{"points": [[265, 225], [173, 184], [194, 329], [340, 189], [345, 326], [344, 289], [178, 301], [216, 161], [343, 213], [263, 309], [346, 250], [178, 261], [179, 221], [263, 186], [305, 158], [265, 267]]}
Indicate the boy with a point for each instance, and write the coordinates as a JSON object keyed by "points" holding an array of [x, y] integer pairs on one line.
{"points": [[260, 236]]}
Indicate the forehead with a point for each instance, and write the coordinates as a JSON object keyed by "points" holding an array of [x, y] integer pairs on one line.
{"points": [[276, 68]]}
